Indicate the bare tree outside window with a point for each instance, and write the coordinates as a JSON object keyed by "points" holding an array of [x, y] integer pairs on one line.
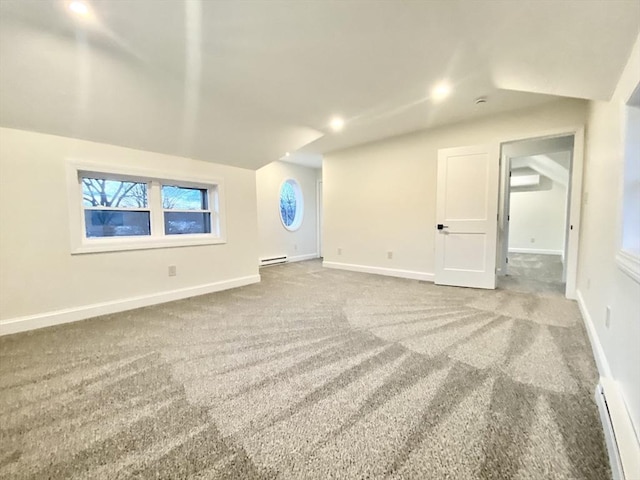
{"points": [[186, 210], [114, 207], [153, 212], [182, 198], [288, 204], [100, 192]]}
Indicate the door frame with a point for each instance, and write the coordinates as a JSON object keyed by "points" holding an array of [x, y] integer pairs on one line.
{"points": [[319, 214], [502, 267], [502, 264], [574, 196]]}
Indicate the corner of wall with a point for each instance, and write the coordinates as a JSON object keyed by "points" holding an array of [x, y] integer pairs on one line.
{"points": [[274, 239]]}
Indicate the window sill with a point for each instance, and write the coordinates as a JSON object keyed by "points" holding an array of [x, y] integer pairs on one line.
{"points": [[629, 263], [122, 244]]}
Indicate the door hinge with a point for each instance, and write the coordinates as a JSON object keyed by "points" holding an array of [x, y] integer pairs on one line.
{"points": [[507, 260], [508, 217], [509, 173]]}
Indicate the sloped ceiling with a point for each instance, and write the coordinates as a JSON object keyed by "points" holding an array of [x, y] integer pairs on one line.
{"points": [[243, 82], [543, 165]]}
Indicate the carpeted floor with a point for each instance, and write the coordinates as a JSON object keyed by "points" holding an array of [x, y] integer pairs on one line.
{"points": [[536, 273], [311, 374]]}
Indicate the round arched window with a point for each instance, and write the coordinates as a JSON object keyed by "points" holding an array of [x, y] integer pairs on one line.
{"points": [[291, 204]]}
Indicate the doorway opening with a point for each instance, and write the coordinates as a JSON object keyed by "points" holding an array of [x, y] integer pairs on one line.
{"points": [[535, 205]]}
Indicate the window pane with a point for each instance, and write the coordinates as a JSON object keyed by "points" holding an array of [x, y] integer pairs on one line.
{"points": [[631, 196], [100, 192], [288, 203], [176, 223], [181, 198], [114, 223]]}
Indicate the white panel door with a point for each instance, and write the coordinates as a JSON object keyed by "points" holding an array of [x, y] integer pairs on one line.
{"points": [[466, 216]]}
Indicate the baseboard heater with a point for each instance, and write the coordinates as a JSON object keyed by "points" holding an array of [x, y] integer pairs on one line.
{"points": [[622, 444], [265, 262]]}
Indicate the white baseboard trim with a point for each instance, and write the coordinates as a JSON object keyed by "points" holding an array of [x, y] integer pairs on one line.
{"points": [[596, 346], [302, 258], [390, 272], [57, 317], [622, 444], [538, 251]]}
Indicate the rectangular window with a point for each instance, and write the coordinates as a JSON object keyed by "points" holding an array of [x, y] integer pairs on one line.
{"points": [[119, 210], [115, 208], [631, 185], [186, 210], [628, 256]]}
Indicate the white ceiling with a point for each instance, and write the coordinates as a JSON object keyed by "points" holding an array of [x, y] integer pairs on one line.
{"points": [[242, 82]]}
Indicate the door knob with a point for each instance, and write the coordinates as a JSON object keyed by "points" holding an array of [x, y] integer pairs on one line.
{"points": [[441, 226]]}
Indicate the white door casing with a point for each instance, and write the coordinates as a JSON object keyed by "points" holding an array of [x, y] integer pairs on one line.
{"points": [[503, 215], [319, 217], [467, 216], [574, 197]]}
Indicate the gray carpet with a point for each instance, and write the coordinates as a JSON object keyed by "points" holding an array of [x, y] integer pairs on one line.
{"points": [[312, 374], [529, 272]]}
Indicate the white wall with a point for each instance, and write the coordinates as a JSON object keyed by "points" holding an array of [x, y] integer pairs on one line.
{"points": [[538, 215], [275, 240], [601, 282], [538, 146], [41, 282], [381, 197]]}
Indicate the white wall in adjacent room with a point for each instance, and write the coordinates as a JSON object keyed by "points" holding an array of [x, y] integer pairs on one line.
{"points": [[40, 277], [602, 281], [381, 197], [537, 219], [274, 239]]}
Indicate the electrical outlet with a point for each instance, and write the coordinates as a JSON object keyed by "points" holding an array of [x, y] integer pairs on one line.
{"points": [[389, 255], [339, 251], [607, 317], [172, 271], [533, 240]]}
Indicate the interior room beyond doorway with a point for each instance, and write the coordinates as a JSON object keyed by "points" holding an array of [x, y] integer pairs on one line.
{"points": [[537, 185]]}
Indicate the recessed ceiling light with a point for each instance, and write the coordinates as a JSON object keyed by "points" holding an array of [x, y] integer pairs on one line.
{"points": [[337, 124], [287, 154], [79, 8], [440, 91]]}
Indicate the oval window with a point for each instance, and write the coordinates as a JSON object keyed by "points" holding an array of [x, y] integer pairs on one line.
{"points": [[291, 205]]}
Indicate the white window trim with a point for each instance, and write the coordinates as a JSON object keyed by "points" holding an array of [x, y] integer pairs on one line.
{"points": [[629, 263], [80, 244], [297, 188]]}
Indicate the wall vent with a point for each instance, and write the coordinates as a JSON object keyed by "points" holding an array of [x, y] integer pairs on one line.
{"points": [[265, 262]]}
